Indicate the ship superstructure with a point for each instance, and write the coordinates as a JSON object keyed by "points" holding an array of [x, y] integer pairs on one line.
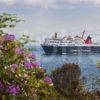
{"points": [[69, 44]]}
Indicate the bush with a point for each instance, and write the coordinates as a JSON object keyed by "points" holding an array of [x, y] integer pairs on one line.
{"points": [[68, 83], [20, 73], [21, 76], [66, 79]]}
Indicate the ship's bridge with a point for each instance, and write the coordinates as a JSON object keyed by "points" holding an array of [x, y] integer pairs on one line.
{"points": [[52, 42]]}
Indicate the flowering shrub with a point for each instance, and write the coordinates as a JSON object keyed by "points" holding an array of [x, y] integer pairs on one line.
{"points": [[22, 78], [20, 73]]}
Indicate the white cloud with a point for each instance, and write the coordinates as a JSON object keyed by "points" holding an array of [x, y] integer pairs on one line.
{"points": [[48, 3], [83, 1], [42, 3], [7, 2]]}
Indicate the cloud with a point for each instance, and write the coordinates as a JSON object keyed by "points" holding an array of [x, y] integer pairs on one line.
{"points": [[7, 2], [41, 3], [48, 3], [89, 2]]}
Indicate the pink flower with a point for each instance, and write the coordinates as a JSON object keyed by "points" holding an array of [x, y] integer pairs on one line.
{"points": [[19, 51], [47, 79], [33, 56], [36, 64], [28, 64], [14, 66], [14, 89], [9, 37], [1, 85]]}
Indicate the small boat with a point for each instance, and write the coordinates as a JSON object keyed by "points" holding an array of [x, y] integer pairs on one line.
{"points": [[98, 63]]}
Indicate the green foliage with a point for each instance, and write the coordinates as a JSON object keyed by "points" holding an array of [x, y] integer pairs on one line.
{"points": [[19, 68], [68, 83], [66, 76], [8, 20], [21, 76]]}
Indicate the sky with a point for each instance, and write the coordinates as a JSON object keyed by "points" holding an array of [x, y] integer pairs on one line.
{"points": [[44, 17]]}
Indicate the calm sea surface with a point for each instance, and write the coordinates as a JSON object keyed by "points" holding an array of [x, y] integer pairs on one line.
{"points": [[87, 62]]}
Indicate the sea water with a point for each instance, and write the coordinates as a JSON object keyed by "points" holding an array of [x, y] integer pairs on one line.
{"points": [[86, 62]]}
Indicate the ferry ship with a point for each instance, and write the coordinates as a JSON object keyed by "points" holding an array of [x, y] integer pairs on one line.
{"points": [[69, 45]]}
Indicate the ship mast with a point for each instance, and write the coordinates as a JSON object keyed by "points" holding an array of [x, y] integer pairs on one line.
{"points": [[83, 34]]}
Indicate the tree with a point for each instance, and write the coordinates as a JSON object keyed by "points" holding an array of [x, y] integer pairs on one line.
{"points": [[8, 21]]}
